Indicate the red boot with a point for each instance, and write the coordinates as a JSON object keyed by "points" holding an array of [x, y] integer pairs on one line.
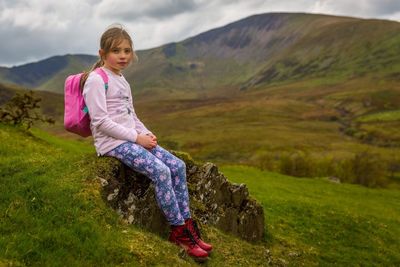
{"points": [[181, 236], [194, 230]]}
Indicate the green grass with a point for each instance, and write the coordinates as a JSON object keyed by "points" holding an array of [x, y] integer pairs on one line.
{"points": [[52, 213], [317, 222], [392, 115]]}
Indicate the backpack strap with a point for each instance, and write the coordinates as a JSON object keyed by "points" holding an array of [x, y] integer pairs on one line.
{"points": [[103, 75]]}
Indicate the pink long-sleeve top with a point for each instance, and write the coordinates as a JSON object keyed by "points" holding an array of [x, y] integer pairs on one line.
{"points": [[113, 118]]}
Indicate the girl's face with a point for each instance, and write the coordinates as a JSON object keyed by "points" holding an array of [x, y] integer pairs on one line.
{"points": [[118, 58]]}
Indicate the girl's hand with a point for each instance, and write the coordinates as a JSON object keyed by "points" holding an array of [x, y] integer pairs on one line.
{"points": [[154, 138], [146, 141], [152, 135]]}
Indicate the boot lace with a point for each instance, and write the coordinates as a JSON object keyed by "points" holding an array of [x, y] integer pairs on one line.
{"points": [[194, 229], [192, 241]]}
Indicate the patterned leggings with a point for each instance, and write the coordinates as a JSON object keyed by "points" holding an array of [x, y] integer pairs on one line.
{"points": [[167, 172]]}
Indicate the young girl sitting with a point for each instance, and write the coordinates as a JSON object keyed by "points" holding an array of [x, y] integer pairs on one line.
{"points": [[118, 132]]}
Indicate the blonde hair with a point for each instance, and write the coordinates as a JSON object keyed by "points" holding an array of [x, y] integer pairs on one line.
{"points": [[110, 39]]}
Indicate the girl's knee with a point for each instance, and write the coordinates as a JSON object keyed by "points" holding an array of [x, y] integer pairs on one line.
{"points": [[163, 169], [164, 178], [180, 163]]}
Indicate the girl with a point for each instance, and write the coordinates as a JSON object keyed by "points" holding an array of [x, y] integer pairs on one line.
{"points": [[118, 132]]}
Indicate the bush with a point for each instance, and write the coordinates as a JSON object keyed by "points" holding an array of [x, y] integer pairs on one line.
{"points": [[266, 161], [324, 167], [296, 164], [20, 110], [394, 165], [364, 168]]}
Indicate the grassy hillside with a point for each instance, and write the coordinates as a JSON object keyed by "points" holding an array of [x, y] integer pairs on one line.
{"points": [[48, 74], [327, 120], [336, 48], [52, 214], [314, 222], [318, 117], [76, 64]]}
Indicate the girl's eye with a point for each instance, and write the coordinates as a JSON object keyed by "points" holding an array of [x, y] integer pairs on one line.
{"points": [[128, 51], [115, 50]]}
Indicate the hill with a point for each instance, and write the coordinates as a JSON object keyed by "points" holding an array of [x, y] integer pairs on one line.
{"points": [[42, 74], [53, 215], [319, 223], [260, 49]]}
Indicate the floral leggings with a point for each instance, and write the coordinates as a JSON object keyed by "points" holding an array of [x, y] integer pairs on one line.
{"points": [[167, 172]]}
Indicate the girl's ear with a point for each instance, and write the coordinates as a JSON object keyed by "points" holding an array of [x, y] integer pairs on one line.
{"points": [[101, 53]]}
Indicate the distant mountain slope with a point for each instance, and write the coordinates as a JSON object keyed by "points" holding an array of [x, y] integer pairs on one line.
{"points": [[47, 74], [342, 49], [229, 55], [265, 48]]}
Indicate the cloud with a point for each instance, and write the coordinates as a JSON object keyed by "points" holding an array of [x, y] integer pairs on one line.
{"points": [[362, 8], [35, 29], [129, 10]]}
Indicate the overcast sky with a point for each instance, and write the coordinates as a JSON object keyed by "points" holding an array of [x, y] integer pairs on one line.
{"points": [[32, 30]]}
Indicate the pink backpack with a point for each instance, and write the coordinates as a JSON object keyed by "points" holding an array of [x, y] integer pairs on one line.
{"points": [[76, 114]]}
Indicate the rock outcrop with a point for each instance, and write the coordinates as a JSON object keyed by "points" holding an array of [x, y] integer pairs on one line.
{"points": [[213, 199]]}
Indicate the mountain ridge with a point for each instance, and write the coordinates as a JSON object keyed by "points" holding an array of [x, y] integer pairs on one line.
{"points": [[258, 49]]}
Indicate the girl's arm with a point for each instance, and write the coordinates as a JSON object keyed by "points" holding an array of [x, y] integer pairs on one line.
{"points": [[95, 100], [140, 128]]}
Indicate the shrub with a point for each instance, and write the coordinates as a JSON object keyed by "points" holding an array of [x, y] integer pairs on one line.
{"points": [[394, 165], [364, 168], [324, 166], [20, 110], [266, 161], [296, 164]]}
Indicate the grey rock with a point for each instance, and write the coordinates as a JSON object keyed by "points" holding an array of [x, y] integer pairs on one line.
{"points": [[214, 200]]}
